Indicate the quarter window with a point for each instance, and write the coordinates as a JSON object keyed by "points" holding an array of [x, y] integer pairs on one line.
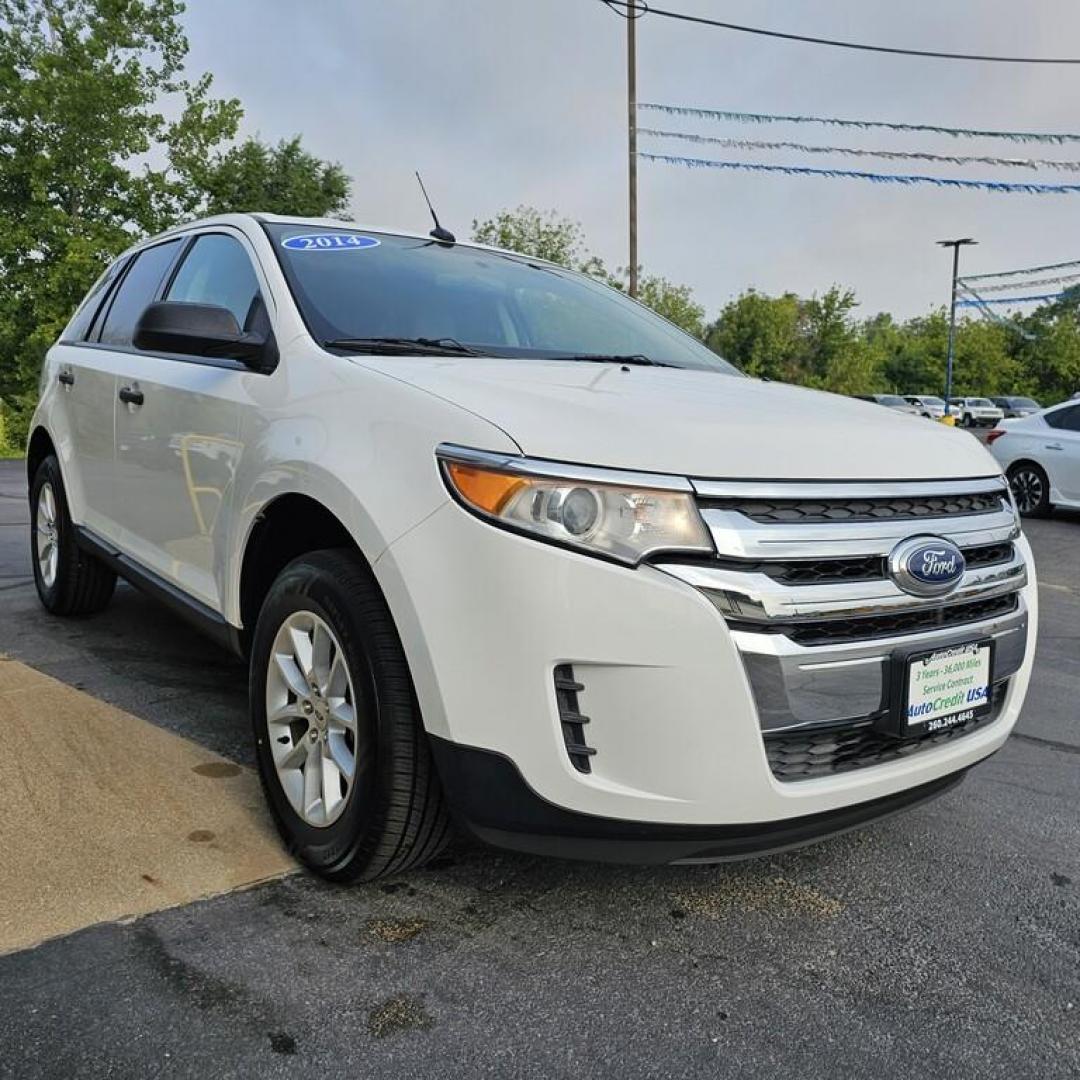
{"points": [[217, 270], [1065, 419], [78, 328], [138, 288]]}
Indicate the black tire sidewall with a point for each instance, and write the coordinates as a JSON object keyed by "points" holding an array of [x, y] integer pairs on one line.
{"points": [[48, 472], [306, 587]]}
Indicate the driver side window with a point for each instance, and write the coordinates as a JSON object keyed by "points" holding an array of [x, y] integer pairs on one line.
{"points": [[217, 270]]}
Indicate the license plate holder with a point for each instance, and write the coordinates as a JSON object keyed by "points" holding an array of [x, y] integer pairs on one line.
{"points": [[937, 689]]}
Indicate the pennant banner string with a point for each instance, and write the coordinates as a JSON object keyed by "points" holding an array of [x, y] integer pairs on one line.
{"points": [[991, 314], [1002, 186], [850, 151], [1007, 285], [936, 129], [979, 302], [1023, 273]]}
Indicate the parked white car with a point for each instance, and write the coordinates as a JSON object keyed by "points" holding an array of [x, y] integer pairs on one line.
{"points": [[975, 411], [497, 539], [933, 408], [1041, 457]]}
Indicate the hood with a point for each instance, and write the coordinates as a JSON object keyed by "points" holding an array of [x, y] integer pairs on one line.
{"points": [[691, 423]]}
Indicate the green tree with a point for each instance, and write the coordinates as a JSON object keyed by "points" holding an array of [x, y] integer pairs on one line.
{"points": [[89, 162], [282, 179], [532, 232]]}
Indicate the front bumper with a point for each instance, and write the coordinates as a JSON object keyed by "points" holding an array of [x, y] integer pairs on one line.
{"points": [[487, 617]]}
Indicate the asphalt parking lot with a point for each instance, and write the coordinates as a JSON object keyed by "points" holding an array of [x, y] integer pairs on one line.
{"points": [[942, 942]]}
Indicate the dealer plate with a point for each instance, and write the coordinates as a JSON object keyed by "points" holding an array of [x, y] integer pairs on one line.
{"points": [[947, 687]]}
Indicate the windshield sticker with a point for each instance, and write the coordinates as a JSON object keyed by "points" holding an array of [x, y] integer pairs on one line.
{"points": [[329, 242]]}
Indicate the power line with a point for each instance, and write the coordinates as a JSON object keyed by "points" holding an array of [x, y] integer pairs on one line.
{"points": [[850, 151], [641, 8], [1001, 186], [834, 121]]}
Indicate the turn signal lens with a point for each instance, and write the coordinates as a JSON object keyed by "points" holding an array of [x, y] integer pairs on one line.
{"points": [[615, 520], [487, 491]]}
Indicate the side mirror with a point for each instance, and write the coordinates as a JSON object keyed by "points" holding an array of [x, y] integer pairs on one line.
{"points": [[175, 326]]}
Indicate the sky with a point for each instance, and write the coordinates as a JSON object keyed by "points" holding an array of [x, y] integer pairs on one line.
{"points": [[506, 102]]}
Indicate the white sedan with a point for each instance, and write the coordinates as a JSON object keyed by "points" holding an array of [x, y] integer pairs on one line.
{"points": [[1041, 457]]}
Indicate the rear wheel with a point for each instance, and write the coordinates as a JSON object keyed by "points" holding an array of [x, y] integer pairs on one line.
{"points": [[1031, 489], [341, 749], [68, 580]]}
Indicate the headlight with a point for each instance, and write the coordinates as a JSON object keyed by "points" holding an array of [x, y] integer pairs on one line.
{"points": [[627, 517]]}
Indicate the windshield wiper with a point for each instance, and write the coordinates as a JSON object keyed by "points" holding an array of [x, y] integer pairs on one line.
{"points": [[444, 346], [637, 359]]}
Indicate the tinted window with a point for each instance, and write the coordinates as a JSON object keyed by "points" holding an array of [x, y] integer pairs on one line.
{"points": [[355, 285], [139, 287], [217, 270], [891, 399], [77, 329], [1065, 419]]}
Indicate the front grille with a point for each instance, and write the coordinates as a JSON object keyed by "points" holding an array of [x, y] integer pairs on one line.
{"points": [[809, 755], [567, 689], [906, 621], [860, 568], [892, 508]]}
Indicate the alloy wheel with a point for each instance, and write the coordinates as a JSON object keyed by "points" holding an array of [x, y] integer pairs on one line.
{"points": [[311, 718], [1028, 490], [46, 536]]}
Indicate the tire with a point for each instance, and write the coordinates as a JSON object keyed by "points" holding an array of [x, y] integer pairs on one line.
{"points": [[69, 580], [388, 815], [1031, 489]]}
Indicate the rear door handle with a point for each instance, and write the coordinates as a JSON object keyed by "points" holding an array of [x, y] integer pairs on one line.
{"points": [[130, 396], [66, 378]]}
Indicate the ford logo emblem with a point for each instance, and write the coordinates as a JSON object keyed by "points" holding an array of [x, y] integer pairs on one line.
{"points": [[927, 565]]}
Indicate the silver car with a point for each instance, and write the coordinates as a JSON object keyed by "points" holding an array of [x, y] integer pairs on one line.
{"points": [[1015, 407], [892, 401], [933, 408]]}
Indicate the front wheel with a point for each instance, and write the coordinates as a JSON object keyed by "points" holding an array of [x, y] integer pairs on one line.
{"points": [[1030, 488], [341, 749]]}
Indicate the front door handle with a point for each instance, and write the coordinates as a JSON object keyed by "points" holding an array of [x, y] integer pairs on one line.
{"points": [[131, 397], [1054, 446], [66, 378]]}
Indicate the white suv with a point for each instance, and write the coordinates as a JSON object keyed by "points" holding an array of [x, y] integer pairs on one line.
{"points": [[498, 540]]}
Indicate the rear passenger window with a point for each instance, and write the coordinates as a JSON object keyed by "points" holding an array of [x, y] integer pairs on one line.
{"points": [[79, 326], [1065, 419], [217, 270], [139, 287]]}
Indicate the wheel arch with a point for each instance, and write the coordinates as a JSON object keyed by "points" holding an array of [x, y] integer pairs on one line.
{"points": [[290, 525], [38, 448]]}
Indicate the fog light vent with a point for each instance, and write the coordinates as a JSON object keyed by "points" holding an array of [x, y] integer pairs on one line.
{"points": [[567, 689]]}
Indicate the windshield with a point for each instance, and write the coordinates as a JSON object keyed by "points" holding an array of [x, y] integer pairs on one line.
{"points": [[353, 285], [1023, 403], [981, 402], [933, 401], [890, 399]]}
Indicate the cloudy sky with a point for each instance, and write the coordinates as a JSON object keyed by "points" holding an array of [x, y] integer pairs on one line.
{"points": [[502, 102]]}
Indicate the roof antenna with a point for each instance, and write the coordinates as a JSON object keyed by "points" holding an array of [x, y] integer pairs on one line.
{"points": [[444, 236]]}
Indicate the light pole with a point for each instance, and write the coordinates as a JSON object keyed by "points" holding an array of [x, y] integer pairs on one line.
{"points": [[632, 16], [956, 245]]}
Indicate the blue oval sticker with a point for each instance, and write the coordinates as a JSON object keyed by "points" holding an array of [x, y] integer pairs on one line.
{"points": [[329, 242]]}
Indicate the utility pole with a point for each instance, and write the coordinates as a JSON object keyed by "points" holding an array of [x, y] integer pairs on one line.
{"points": [[956, 245], [632, 16]]}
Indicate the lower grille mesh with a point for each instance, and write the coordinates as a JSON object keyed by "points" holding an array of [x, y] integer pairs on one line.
{"points": [[808, 755]]}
